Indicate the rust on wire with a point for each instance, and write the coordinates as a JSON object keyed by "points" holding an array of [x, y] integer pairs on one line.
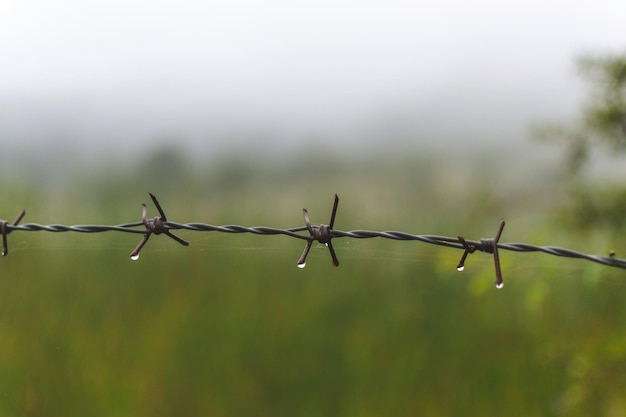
{"points": [[157, 226], [487, 246], [5, 231], [322, 233]]}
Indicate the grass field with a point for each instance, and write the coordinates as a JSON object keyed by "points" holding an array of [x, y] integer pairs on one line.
{"points": [[230, 327]]}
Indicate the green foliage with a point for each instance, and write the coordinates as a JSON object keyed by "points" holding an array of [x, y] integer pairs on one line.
{"points": [[606, 116], [595, 207], [603, 119], [602, 125]]}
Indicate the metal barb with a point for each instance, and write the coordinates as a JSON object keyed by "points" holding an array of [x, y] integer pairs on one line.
{"points": [[468, 249], [5, 231], [321, 233], [157, 226], [485, 245], [496, 255], [158, 206]]}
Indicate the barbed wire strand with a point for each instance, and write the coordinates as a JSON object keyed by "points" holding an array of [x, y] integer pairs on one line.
{"points": [[321, 233]]}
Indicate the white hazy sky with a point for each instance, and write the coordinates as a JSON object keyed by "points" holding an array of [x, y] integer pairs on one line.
{"points": [[292, 67]]}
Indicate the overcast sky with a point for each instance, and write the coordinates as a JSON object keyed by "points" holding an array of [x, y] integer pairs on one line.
{"points": [[291, 70]]}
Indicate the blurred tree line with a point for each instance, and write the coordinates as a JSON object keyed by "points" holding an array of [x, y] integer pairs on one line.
{"points": [[601, 128]]}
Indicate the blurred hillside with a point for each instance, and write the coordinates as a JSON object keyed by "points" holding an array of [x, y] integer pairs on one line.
{"points": [[389, 186], [230, 326]]}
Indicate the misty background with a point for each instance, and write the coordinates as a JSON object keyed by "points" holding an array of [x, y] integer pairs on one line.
{"points": [[419, 115], [94, 84]]}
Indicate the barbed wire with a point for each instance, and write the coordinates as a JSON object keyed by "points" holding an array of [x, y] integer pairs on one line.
{"points": [[321, 233]]}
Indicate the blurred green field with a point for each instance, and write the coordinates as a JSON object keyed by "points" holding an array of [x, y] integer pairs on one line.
{"points": [[230, 327]]}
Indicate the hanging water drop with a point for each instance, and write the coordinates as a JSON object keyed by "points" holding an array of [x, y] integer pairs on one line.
{"points": [[302, 265], [460, 268], [134, 257], [500, 285]]}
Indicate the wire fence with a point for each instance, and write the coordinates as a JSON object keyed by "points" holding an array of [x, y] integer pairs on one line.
{"points": [[321, 233]]}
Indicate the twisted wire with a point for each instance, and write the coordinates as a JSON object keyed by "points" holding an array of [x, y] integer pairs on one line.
{"points": [[451, 242], [79, 228], [321, 233]]}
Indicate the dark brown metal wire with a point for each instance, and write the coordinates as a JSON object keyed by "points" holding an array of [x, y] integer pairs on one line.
{"points": [[4, 229], [322, 233], [488, 245], [157, 226]]}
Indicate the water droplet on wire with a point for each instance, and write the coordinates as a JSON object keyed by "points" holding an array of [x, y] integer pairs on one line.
{"points": [[460, 268], [134, 257], [302, 265], [500, 285]]}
